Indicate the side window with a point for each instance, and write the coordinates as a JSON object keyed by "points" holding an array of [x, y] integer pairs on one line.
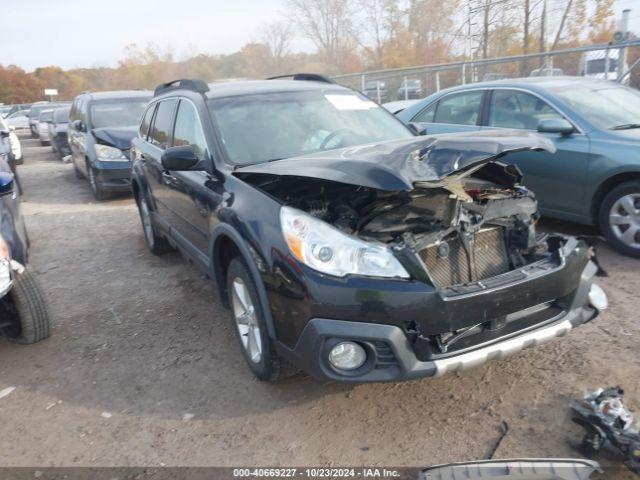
{"points": [[515, 109], [73, 114], [146, 121], [161, 129], [82, 110], [427, 115], [460, 108], [188, 130]]}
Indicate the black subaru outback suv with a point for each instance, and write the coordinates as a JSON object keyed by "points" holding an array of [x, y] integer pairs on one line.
{"points": [[344, 244]]}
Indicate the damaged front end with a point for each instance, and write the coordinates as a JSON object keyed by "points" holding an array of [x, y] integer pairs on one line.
{"points": [[458, 221]]}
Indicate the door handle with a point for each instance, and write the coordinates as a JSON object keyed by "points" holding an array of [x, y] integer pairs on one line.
{"points": [[168, 179]]}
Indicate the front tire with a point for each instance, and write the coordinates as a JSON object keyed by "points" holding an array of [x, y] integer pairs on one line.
{"points": [[96, 188], [250, 326], [619, 218], [30, 308]]}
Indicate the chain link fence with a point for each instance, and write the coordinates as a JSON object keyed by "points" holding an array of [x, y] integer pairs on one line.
{"points": [[615, 62]]}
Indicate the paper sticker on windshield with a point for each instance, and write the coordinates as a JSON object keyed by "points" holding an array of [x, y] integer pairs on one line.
{"points": [[350, 102]]}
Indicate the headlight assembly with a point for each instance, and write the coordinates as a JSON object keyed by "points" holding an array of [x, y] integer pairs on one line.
{"points": [[328, 250], [5, 267], [105, 153]]}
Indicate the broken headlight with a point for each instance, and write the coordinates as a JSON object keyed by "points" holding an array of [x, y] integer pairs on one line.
{"points": [[328, 250], [105, 153], [5, 267]]}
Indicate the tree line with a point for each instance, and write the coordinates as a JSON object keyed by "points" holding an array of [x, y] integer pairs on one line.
{"points": [[349, 36]]}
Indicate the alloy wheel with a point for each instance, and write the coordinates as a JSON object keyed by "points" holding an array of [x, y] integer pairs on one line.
{"points": [[624, 219], [244, 314], [146, 222], [92, 180]]}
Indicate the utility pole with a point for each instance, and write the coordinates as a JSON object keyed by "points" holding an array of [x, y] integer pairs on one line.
{"points": [[525, 38], [543, 22], [624, 28]]}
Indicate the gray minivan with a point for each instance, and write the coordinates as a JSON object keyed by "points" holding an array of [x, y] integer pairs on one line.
{"points": [[101, 126]]}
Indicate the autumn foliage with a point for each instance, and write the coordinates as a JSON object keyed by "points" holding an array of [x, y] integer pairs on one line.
{"points": [[349, 36]]}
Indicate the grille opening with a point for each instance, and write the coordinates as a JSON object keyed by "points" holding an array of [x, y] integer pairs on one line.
{"points": [[448, 261]]}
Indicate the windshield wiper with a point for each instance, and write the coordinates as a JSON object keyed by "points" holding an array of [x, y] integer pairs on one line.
{"points": [[626, 126]]}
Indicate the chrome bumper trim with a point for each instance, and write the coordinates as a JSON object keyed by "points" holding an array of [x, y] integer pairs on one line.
{"points": [[501, 349]]}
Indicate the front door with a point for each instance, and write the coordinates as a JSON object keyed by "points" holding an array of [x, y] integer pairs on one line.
{"points": [[193, 195], [558, 179]]}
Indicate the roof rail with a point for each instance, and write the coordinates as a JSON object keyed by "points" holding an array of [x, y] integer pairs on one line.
{"points": [[182, 83], [310, 77]]}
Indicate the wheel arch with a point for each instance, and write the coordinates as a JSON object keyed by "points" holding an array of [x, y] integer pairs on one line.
{"points": [[225, 244], [606, 186]]}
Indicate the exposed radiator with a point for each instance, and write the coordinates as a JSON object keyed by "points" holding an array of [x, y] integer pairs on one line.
{"points": [[450, 265]]}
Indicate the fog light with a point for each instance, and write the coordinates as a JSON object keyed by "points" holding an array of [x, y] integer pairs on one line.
{"points": [[347, 356], [597, 298]]}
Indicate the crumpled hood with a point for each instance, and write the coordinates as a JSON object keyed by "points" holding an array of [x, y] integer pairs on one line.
{"points": [[119, 137], [399, 164]]}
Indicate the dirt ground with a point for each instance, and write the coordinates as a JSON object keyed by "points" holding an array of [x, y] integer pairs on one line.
{"points": [[142, 367]]}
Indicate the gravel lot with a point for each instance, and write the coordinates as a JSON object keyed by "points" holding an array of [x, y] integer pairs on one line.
{"points": [[142, 367]]}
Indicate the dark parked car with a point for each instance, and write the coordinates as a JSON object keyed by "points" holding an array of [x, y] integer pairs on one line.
{"points": [[23, 311], [345, 245], [410, 89], [59, 130], [101, 126], [377, 91], [593, 178]]}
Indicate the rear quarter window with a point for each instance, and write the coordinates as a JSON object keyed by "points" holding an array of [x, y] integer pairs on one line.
{"points": [[146, 121], [160, 132]]}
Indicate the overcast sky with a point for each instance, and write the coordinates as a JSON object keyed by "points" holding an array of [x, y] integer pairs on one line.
{"points": [[89, 33]]}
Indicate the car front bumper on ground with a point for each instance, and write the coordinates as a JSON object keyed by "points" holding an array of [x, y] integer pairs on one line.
{"points": [[394, 354]]}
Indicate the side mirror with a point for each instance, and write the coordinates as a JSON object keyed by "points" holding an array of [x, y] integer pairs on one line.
{"points": [[179, 158], [555, 125], [4, 133], [78, 125], [6, 183], [417, 128]]}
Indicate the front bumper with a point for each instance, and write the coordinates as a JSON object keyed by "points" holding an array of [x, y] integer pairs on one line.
{"points": [[396, 357], [114, 176]]}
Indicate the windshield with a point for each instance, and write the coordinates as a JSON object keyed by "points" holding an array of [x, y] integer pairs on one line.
{"points": [[607, 106], [121, 113], [35, 111], [46, 116], [61, 115], [259, 128]]}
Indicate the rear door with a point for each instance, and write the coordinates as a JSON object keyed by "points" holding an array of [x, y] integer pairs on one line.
{"points": [[559, 179], [455, 112], [159, 139], [192, 195]]}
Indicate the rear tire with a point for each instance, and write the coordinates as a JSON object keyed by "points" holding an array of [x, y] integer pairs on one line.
{"points": [[619, 218], [263, 361], [33, 323], [77, 171], [156, 244]]}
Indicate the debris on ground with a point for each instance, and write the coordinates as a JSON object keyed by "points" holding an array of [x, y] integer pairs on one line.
{"points": [[604, 416], [6, 392]]}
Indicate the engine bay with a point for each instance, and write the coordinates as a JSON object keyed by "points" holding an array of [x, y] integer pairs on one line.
{"points": [[477, 222]]}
